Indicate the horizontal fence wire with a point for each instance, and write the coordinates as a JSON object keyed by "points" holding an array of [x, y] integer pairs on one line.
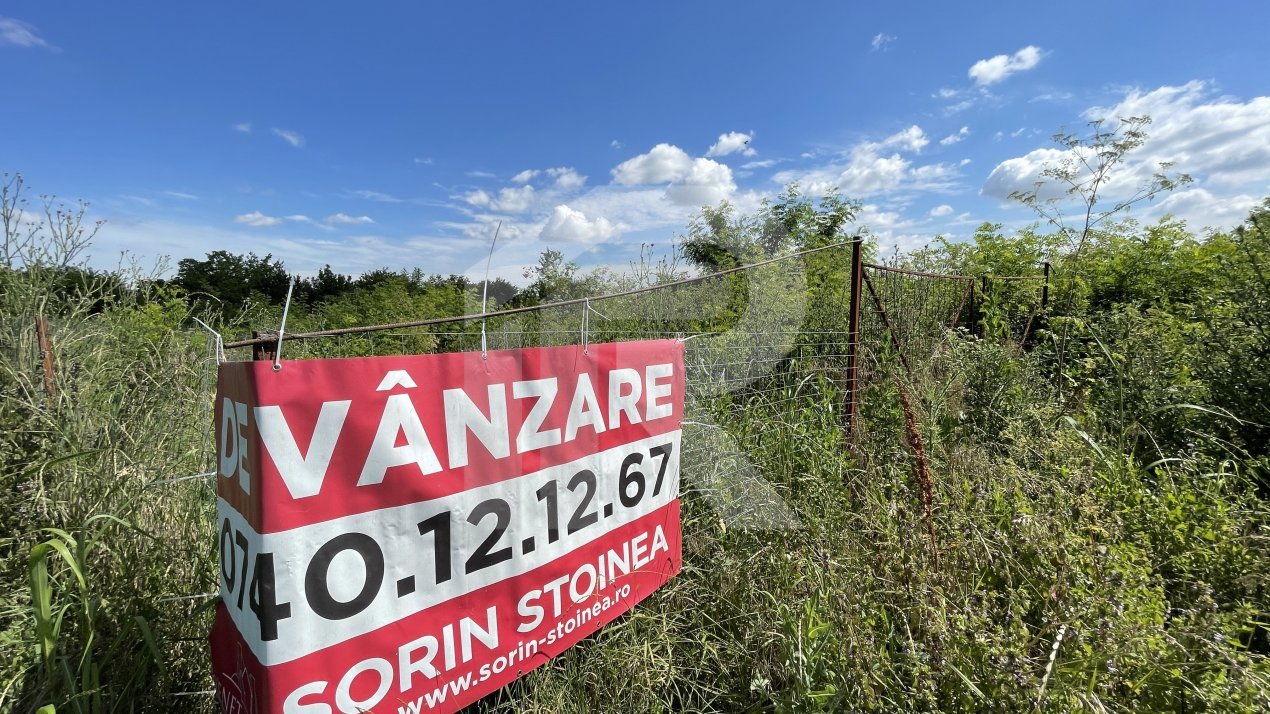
{"points": [[755, 337], [760, 339], [1014, 306], [907, 316], [275, 339]]}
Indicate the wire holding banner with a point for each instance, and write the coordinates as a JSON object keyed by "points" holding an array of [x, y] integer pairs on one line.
{"points": [[282, 328], [485, 290]]}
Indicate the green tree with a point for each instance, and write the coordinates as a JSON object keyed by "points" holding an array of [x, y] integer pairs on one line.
{"points": [[1070, 195], [719, 239], [501, 291], [232, 280], [553, 279], [1236, 315], [325, 285]]}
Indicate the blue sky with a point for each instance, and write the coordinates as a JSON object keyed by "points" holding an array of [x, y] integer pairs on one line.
{"points": [[396, 134]]}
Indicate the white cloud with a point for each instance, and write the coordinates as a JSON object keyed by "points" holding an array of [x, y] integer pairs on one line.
{"points": [[694, 182], [1022, 173], [344, 219], [911, 139], [181, 195], [1223, 142], [21, 34], [376, 196], [572, 226], [615, 144], [29, 218], [872, 168], [731, 143], [302, 251], [567, 178], [147, 202], [647, 209], [996, 69], [513, 200], [243, 127], [764, 164], [651, 194], [1203, 209], [507, 200], [301, 218], [890, 228], [881, 40], [942, 209], [955, 136], [958, 107], [958, 100], [291, 137], [707, 183], [1056, 96], [605, 214], [256, 219], [662, 163], [423, 161]]}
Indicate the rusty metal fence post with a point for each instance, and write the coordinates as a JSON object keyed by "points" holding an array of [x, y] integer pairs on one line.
{"points": [[853, 336], [972, 321], [983, 302], [45, 340], [261, 351], [1045, 289]]}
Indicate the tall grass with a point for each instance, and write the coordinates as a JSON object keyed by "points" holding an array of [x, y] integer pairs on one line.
{"points": [[95, 547], [1019, 561]]}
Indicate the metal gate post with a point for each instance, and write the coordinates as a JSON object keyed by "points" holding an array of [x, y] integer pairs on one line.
{"points": [[983, 300], [260, 351], [853, 336], [1045, 289]]}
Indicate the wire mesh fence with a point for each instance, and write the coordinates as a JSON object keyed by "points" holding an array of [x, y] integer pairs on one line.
{"points": [[908, 317], [772, 363], [769, 338], [1014, 306]]}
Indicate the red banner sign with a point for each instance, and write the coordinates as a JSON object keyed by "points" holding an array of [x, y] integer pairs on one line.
{"points": [[411, 533]]}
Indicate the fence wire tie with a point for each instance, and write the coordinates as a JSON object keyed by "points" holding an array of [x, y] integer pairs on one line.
{"points": [[220, 341], [591, 309], [286, 307], [689, 422], [178, 598], [160, 482], [699, 334], [586, 323], [485, 289]]}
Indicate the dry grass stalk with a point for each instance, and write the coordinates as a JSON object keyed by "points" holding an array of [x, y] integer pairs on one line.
{"points": [[922, 470]]}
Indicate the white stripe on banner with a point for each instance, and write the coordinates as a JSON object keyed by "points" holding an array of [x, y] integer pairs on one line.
{"points": [[338, 579]]}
